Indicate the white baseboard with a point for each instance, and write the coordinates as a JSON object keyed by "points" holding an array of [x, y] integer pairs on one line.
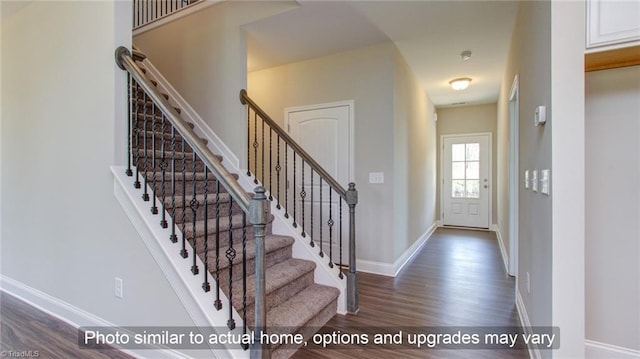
{"points": [[534, 352], [73, 316], [503, 250], [392, 270], [597, 350]]}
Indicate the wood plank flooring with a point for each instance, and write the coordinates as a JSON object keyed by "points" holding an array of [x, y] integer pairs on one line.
{"points": [[27, 332], [457, 279]]}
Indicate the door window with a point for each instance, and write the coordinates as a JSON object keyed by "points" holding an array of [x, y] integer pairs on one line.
{"points": [[465, 170]]}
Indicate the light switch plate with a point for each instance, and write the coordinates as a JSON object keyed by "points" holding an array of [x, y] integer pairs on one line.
{"points": [[534, 180], [544, 182], [376, 177]]}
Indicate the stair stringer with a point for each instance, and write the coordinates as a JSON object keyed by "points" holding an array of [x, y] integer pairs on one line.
{"points": [[323, 274], [177, 270]]}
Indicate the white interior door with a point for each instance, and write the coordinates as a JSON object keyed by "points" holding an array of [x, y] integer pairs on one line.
{"points": [[466, 183], [324, 131]]}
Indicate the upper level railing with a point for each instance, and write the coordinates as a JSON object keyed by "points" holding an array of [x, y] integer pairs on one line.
{"points": [[190, 183], [148, 11], [314, 200]]}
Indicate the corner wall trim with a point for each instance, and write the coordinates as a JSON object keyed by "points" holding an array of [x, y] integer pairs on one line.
{"points": [[597, 350], [392, 270], [73, 315], [534, 352], [503, 250]]}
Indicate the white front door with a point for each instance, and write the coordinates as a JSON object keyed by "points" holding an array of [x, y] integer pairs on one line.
{"points": [[323, 131], [466, 180]]}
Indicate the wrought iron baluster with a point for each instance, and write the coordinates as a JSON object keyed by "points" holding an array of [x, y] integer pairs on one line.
{"points": [[154, 206], [303, 194], [217, 303], [163, 167], [270, 161], [193, 204], [183, 251], [205, 285], [173, 236], [311, 242], [244, 276], [129, 172], [278, 168], [330, 225], [249, 141], [293, 193], [136, 159], [340, 247], [262, 144], [145, 194], [255, 148], [286, 180], [320, 225], [231, 255]]}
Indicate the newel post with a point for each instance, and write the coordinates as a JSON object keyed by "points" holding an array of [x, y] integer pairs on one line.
{"points": [[259, 211], [352, 275]]}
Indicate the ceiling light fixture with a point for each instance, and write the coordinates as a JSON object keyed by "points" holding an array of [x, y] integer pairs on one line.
{"points": [[465, 55], [460, 83]]}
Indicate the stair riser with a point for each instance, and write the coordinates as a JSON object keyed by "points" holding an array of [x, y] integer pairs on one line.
{"points": [[307, 330], [140, 105], [158, 141], [236, 236], [139, 123], [271, 258], [278, 296], [148, 166]]}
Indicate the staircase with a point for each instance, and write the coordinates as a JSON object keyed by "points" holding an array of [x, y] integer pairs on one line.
{"points": [[208, 223]]}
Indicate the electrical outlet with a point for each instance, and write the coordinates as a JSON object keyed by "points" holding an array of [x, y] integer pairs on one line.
{"points": [[376, 177], [528, 283], [118, 287]]}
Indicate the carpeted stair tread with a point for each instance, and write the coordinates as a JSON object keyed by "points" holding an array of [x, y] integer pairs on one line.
{"points": [[279, 276], [168, 137], [271, 243], [301, 308], [188, 176], [169, 155], [236, 223], [212, 198]]}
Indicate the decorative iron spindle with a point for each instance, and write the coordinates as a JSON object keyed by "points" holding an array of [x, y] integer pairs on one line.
{"points": [[270, 160], [262, 150], [286, 180], [231, 255], [295, 188], [330, 225], [154, 205], [340, 246], [173, 236], [303, 194], [278, 168], [217, 303], [145, 167], [193, 204], [163, 166], [137, 184], [321, 224], [183, 251], [129, 172], [311, 242], [244, 276], [255, 148], [205, 285]]}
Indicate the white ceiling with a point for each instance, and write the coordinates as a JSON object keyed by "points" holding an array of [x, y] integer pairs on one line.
{"points": [[429, 34]]}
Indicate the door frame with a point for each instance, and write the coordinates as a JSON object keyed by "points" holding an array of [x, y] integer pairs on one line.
{"points": [[351, 126], [514, 173], [490, 174]]}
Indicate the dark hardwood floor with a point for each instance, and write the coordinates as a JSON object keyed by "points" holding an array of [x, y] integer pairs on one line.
{"points": [[457, 280], [27, 332]]}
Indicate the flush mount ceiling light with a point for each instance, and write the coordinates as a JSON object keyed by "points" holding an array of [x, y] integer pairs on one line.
{"points": [[460, 83]]}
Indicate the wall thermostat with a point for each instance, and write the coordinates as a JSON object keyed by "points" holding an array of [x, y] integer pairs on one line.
{"points": [[540, 117]]}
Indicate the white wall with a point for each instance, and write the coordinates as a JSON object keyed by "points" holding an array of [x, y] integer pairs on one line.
{"points": [[63, 233], [470, 119], [394, 134], [613, 207], [204, 57], [546, 52]]}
